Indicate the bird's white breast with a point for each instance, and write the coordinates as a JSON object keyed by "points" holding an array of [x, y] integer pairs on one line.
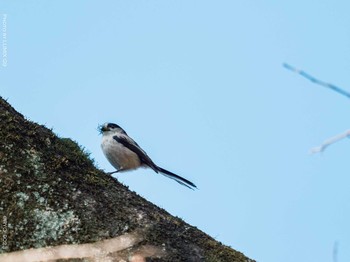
{"points": [[118, 155]]}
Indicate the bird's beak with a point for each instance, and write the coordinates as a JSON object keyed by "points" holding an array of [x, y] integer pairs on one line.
{"points": [[103, 128]]}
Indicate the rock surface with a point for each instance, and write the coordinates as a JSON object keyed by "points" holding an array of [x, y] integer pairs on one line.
{"points": [[53, 195]]}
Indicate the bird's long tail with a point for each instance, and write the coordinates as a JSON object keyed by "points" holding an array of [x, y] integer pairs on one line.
{"points": [[179, 179]]}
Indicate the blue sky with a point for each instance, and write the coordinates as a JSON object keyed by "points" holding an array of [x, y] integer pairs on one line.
{"points": [[201, 87]]}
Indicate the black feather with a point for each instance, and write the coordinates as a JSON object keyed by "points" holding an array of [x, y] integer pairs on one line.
{"points": [[179, 179], [112, 125]]}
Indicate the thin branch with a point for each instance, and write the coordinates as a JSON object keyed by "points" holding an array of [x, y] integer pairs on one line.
{"points": [[101, 249], [330, 141], [316, 81], [335, 252]]}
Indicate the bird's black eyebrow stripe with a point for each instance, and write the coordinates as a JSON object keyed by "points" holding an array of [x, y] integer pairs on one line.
{"points": [[112, 125], [145, 159]]}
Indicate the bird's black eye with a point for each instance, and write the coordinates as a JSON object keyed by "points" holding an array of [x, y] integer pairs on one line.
{"points": [[111, 125]]}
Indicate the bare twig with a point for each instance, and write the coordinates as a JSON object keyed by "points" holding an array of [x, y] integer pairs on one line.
{"points": [[335, 252], [103, 250], [330, 141], [316, 81]]}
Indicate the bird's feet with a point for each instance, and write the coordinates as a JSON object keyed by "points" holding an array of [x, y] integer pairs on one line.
{"points": [[111, 173]]}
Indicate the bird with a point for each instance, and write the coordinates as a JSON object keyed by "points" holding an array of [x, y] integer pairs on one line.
{"points": [[124, 154]]}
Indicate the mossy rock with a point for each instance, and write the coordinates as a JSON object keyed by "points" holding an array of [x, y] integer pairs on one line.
{"points": [[52, 194]]}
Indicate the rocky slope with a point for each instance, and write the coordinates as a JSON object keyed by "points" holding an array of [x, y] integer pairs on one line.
{"points": [[53, 195]]}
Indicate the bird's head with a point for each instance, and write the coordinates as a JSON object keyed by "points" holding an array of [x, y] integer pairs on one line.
{"points": [[111, 128]]}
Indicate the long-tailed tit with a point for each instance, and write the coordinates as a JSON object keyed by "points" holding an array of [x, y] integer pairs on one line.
{"points": [[125, 154]]}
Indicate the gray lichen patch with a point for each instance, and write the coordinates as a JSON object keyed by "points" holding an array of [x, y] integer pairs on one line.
{"points": [[51, 225], [21, 199], [44, 188], [41, 200], [34, 160]]}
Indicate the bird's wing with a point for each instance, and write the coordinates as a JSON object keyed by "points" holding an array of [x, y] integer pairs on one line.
{"points": [[134, 147], [145, 159]]}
